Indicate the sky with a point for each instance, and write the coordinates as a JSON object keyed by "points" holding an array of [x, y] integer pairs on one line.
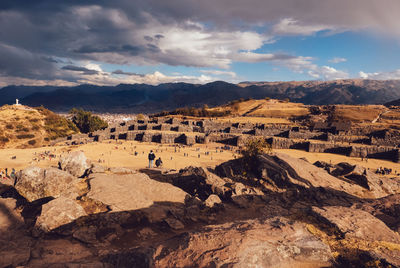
{"points": [[103, 42]]}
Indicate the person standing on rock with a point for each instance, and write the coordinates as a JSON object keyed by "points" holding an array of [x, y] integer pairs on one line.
{"points": [[151, 157]]}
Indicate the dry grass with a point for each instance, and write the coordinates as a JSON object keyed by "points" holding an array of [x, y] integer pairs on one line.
{"points": [[358, 113], [20, 124]]}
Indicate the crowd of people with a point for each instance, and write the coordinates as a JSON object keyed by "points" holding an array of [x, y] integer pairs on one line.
{"points": [[5, 174], [41, 156], [384, 171]]}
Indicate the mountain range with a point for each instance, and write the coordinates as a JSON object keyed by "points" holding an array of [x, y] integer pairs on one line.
{"points": [[145, 98]]}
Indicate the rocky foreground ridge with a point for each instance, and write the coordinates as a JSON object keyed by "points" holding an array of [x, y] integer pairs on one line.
{"points": [[279, 212]]}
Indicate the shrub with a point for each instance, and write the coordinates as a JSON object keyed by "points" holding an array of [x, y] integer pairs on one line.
{"points": [[9, 126], [25, 136], [4, 139], [235, 107], [35, 127], [32, 142], [55, 125], [86, 121], [24, 129]]}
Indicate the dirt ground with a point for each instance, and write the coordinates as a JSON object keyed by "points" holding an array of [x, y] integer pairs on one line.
{"points": [[122, 154]]}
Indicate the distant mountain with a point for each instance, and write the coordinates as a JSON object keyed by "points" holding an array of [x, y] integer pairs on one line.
{"points": [[393, 103], [149, 98]]}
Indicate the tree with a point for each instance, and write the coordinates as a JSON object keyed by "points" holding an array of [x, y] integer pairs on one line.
{"points": [[86, 121], [254, 147], [235, 107]]}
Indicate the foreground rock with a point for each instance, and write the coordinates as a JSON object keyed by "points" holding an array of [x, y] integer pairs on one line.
{"points": [[58, 212], [132, 191], [35, 183], [276, 242], [363, 230], [284, 212], [15, 244], [74, 163], [355, 223]]}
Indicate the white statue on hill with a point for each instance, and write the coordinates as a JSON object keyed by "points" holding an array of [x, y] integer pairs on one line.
{"points": [[17, 102]]}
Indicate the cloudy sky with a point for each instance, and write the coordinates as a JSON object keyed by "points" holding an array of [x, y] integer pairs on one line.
{"points": [[60, 42]]}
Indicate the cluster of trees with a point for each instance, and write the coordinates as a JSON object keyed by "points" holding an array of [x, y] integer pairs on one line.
{"points": [[197, 112], [87, 122]]}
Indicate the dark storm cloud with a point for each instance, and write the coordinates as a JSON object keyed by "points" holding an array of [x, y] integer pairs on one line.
{"points": [[22, 63], [34, 35], [133, 50], [120, 72], [82, 70]]}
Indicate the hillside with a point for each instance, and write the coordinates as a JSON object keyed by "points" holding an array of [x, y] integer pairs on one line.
{"points": [[149, 99], [24, 127]]}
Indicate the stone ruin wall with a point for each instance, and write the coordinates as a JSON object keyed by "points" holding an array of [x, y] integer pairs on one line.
{"points": [[280, 136]]}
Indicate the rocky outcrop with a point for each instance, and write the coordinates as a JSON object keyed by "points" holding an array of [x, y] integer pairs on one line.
{"points": [[279, 172], [35, 183], [379, 186], [58, 212], [74, 163]]}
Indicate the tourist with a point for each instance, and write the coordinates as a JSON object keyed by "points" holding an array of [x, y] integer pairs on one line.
{"points": [[151, 157], [12, 175], [159, 162]]}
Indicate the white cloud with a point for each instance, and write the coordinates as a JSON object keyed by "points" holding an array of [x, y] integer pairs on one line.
{"points": [[108, 78], [289, 26], [219, 72], [305, 65], [337, 60], [393, 75]]}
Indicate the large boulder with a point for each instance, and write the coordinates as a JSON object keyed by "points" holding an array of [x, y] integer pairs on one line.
{"points": [[58, 212], [276, 242], [199, 182], [131, 191], [35, 183], [75, 163]]}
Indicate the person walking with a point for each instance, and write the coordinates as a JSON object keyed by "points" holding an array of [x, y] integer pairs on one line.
{"points": [[151, 157]]}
